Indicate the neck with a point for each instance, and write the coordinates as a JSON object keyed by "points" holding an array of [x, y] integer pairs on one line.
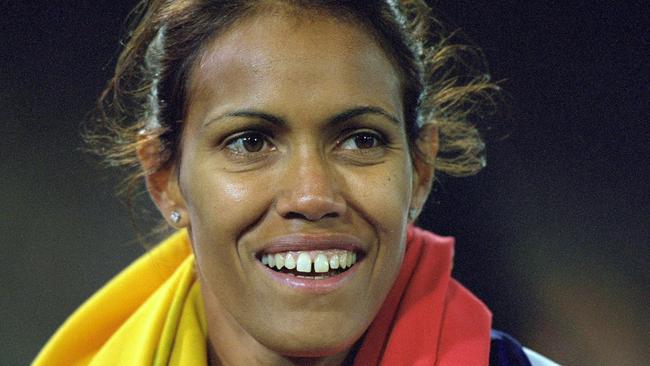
{"points": [[247, 358], [231, 345]]}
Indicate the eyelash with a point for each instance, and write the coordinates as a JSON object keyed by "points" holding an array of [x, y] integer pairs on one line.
{"points": [[236, 148], [380, 140], [239, 139]]}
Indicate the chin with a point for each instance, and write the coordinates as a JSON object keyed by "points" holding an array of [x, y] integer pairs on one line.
{"points": [[316, 351], [311, 346]]}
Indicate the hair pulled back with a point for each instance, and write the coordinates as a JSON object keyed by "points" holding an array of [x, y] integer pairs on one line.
{"points": [[442, 82]]}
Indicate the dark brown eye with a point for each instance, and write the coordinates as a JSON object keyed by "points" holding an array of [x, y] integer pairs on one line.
{"points": [[362, 140], [365, 141], [248, 143], [253, 143]]}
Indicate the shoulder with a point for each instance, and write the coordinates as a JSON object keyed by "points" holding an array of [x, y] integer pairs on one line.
{"points": [[507, 351]]}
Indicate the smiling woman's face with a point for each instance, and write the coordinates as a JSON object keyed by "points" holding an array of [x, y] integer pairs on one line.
{"points": [[294, 149]]}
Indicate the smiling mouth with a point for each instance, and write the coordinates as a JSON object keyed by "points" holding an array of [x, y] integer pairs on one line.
{"points": [[316, 264]]}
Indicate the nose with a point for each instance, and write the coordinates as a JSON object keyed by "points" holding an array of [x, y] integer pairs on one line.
{"points": [[310, 190]]}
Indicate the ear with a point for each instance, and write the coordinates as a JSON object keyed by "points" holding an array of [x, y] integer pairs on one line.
{"points": [[162, 181], [426, 147]]}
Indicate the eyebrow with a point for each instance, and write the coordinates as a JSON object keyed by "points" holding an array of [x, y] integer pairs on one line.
{"points": [[339, 118]]}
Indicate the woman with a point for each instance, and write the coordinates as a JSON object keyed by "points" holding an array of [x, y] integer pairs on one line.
{"points": [[294, 144]]}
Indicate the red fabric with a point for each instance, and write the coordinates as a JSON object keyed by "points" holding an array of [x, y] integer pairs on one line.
{"points": [[428, 318]]}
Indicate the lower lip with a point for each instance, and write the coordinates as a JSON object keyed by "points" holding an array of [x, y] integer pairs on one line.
{"points": [[315, 286]]}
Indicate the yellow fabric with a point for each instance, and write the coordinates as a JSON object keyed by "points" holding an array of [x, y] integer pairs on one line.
{"points": [[150, 314]]}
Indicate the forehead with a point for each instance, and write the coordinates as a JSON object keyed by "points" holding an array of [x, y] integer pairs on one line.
{"points": [[280, 58]]}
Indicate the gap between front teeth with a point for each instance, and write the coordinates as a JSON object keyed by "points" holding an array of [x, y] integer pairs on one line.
{"points": [[302, 261]]}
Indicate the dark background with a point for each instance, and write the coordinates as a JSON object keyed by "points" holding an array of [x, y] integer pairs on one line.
{"points": [[553, 235]]}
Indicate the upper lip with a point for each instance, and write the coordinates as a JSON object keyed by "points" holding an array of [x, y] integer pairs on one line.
{"points": [[304, 242]]}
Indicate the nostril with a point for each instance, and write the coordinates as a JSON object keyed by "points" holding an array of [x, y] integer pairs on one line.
{"points": [[294, 215], [301, 216], [310, 202]]}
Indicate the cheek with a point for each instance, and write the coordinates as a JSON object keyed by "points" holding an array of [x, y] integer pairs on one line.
{"points": [[384, 199], [383, 194], [221, 205]]}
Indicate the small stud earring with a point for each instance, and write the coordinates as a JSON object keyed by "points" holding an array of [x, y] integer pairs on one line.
{"points": [[175, 216], [413, 213]]}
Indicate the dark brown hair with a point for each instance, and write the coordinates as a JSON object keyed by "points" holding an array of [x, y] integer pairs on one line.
{"points": [[442, 82]]}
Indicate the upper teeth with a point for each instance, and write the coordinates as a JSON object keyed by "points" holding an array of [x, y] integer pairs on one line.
{"points": [[302, 261]]}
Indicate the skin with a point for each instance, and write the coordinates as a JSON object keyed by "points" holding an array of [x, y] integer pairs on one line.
{"points": [[306, 175]]}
